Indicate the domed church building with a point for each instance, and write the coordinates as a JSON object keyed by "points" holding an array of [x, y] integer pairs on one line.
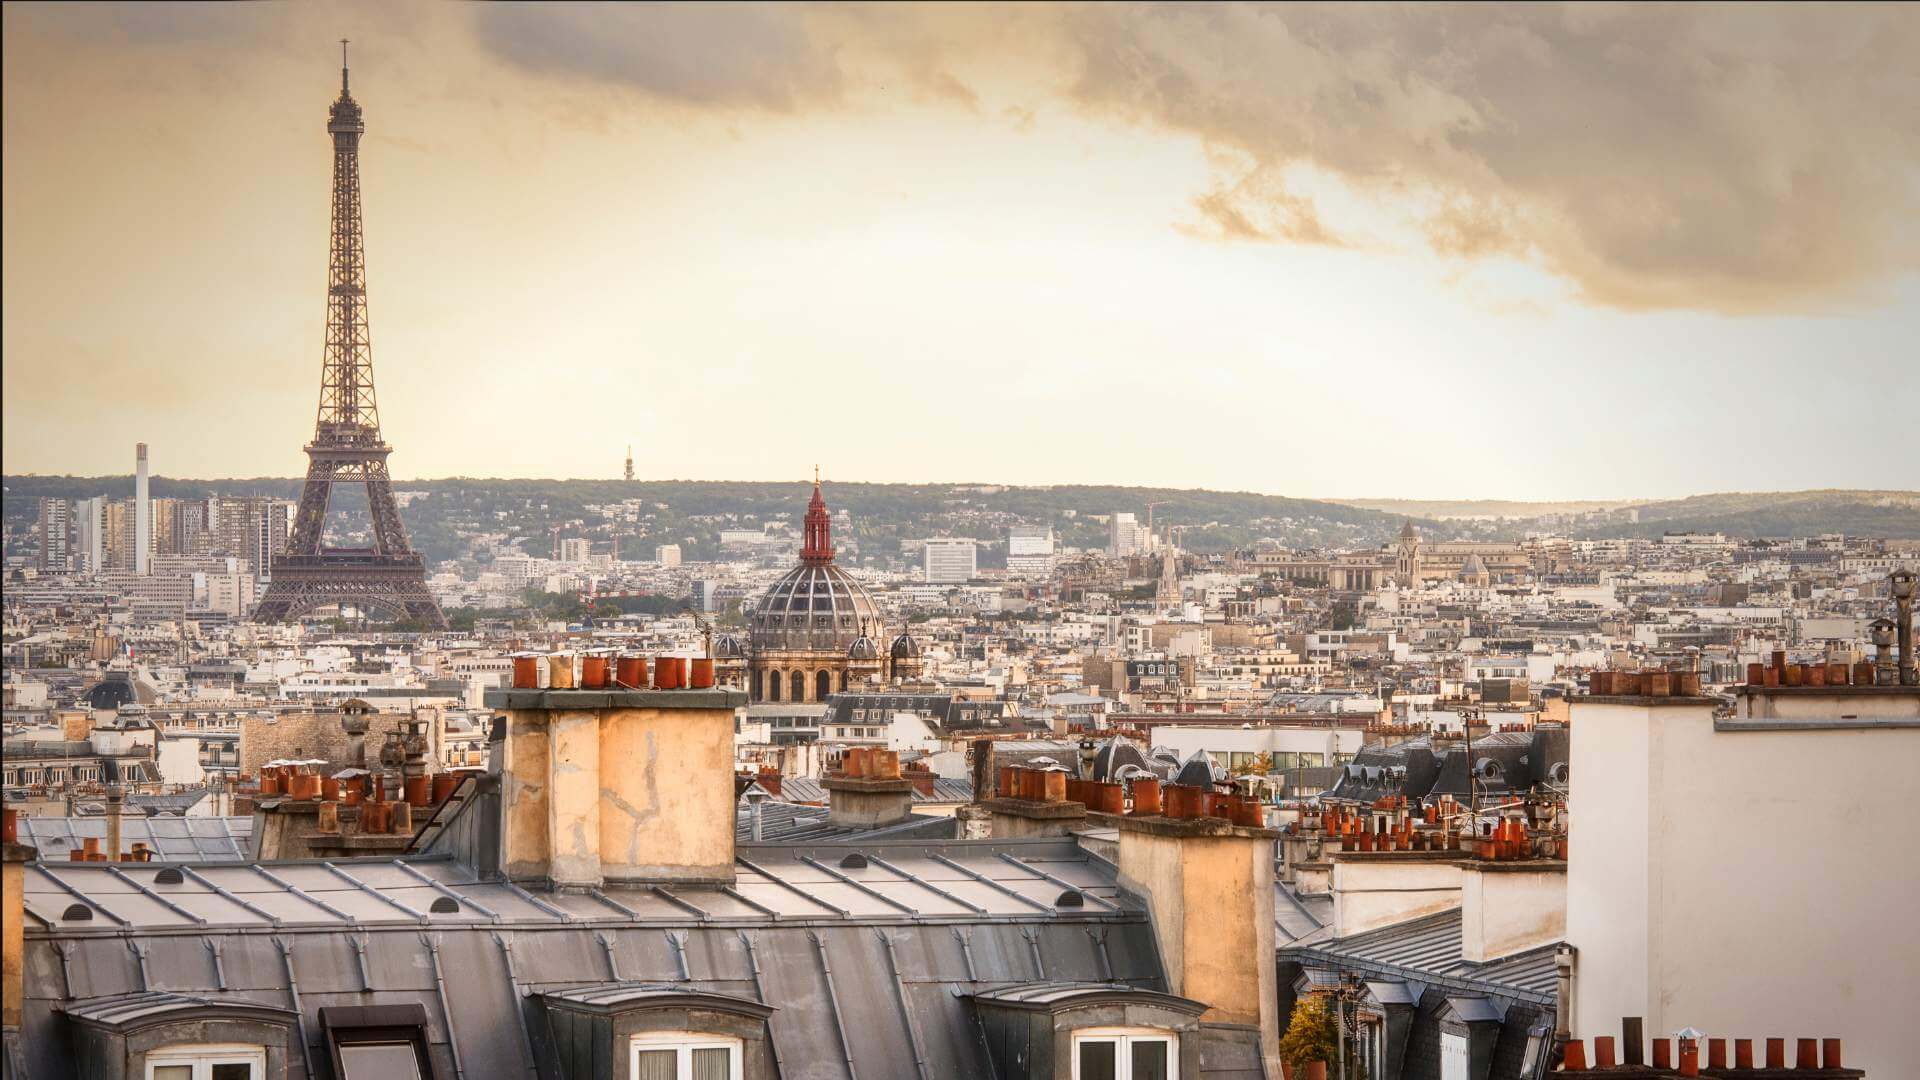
{"points": [[816, 631]]}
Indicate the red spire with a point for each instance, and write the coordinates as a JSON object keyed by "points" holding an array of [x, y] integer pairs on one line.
{"points": [[818, 550]]}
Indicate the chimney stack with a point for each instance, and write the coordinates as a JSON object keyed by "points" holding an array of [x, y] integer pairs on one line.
{"points": [[1211, 881], [116, 802], [1902, 584], [617, 786], [14, 858], [868, 791]]}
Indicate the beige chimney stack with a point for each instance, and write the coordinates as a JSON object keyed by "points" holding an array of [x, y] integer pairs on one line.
{"points": [[13, 922], [624, 786], [1211, 883], [868, 792]]}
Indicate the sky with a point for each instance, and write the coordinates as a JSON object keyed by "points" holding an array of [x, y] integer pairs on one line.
{"points": [[1485, 251]]}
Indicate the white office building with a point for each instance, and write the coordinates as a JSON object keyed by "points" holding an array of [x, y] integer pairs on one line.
{"points": [[1128, 536], [950, 561], [1030, 552]]}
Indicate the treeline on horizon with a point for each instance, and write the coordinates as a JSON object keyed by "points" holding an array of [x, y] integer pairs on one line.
{"points": [[1214, 520]]}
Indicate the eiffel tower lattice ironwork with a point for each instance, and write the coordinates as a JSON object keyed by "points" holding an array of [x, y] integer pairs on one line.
{"points": [[389, 577]]}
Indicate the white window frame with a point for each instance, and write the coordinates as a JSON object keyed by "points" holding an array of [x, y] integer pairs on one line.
{"points": [[1124, 1038], [1456, 1056], [684, 1043], [204, 1056]]}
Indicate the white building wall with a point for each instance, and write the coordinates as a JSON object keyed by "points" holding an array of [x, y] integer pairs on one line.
{"points": [[1609, 853], [1184, 739], [1747, 883], [178, 759]]}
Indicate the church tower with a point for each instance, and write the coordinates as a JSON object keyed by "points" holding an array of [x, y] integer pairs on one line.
{"points": [[1406, 564]]}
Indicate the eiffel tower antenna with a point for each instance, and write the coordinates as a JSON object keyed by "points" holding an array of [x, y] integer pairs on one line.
{"points": [[347, 447]]}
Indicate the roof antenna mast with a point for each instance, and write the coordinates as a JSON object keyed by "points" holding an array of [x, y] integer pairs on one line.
{"points": [[343, 67]]}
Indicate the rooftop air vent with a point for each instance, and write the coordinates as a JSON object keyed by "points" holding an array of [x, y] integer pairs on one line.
{"points": [[77, 913], [445, 905], [169, 876], [855, 861], [1071, 898]]}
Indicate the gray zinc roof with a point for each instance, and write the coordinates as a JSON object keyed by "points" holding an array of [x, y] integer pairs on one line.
{"points": [[866, 962], [789, 823], [189, 839], [1428, 949], [808, 789], [133, 1009]]}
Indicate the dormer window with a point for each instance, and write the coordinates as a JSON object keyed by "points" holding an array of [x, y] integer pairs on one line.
{"points": [[659, 1031], [680, 1056], [207, 1062], [1125, 1054], [1082, 1040]]}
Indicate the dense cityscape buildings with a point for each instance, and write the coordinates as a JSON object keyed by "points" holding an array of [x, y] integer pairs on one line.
{"points": [[1372, 685], [677, 781]]}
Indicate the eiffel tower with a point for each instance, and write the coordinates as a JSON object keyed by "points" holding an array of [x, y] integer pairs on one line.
{"points": [[389, 577]]}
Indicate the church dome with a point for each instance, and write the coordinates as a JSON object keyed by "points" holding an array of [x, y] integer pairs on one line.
{"points": [[728, 647], [863, 648], [816, 605], [904, 648]]}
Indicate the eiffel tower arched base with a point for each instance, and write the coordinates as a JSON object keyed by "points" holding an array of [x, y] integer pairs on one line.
{"points": [[396, 587]]}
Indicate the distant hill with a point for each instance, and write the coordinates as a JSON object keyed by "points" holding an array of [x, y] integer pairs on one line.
{"points": [[1448, 509], [1784, 513], [1893, 514], [445, 517], [448, 512]]}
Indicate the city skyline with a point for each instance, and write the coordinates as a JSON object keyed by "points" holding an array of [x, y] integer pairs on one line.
{"points": [[1063, 236]]}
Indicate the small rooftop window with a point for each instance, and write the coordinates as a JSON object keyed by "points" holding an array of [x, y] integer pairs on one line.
{"points": [[207, 1062], [1125, 1054], [682, 1056]]}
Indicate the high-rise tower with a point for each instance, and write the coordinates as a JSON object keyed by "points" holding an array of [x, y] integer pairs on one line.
{"points": [[142, 512], [347, 447]]}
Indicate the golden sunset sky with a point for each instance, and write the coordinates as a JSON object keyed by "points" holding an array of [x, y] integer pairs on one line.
{"points": [[1433, 251]]}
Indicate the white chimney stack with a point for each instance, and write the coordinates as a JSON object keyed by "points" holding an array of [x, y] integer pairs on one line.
{"points": [[142, 512]]}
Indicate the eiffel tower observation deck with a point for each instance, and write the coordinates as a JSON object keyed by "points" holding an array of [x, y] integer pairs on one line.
{"points": [[390, 577]]}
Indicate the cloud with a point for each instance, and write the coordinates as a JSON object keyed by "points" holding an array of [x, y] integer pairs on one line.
{"points": [[1727, 158], [1734, 159], [744, 54], [1258, 207]]}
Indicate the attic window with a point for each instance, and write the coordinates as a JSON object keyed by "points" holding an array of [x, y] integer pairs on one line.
{"points": [[208, 1062], [682, 1056], [377, 1042], [1125, 1054]]}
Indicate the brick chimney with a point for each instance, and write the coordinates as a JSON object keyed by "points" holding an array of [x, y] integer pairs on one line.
{"points": [[769, 779], [617, 786], [1031, 802], [868, 791]]}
